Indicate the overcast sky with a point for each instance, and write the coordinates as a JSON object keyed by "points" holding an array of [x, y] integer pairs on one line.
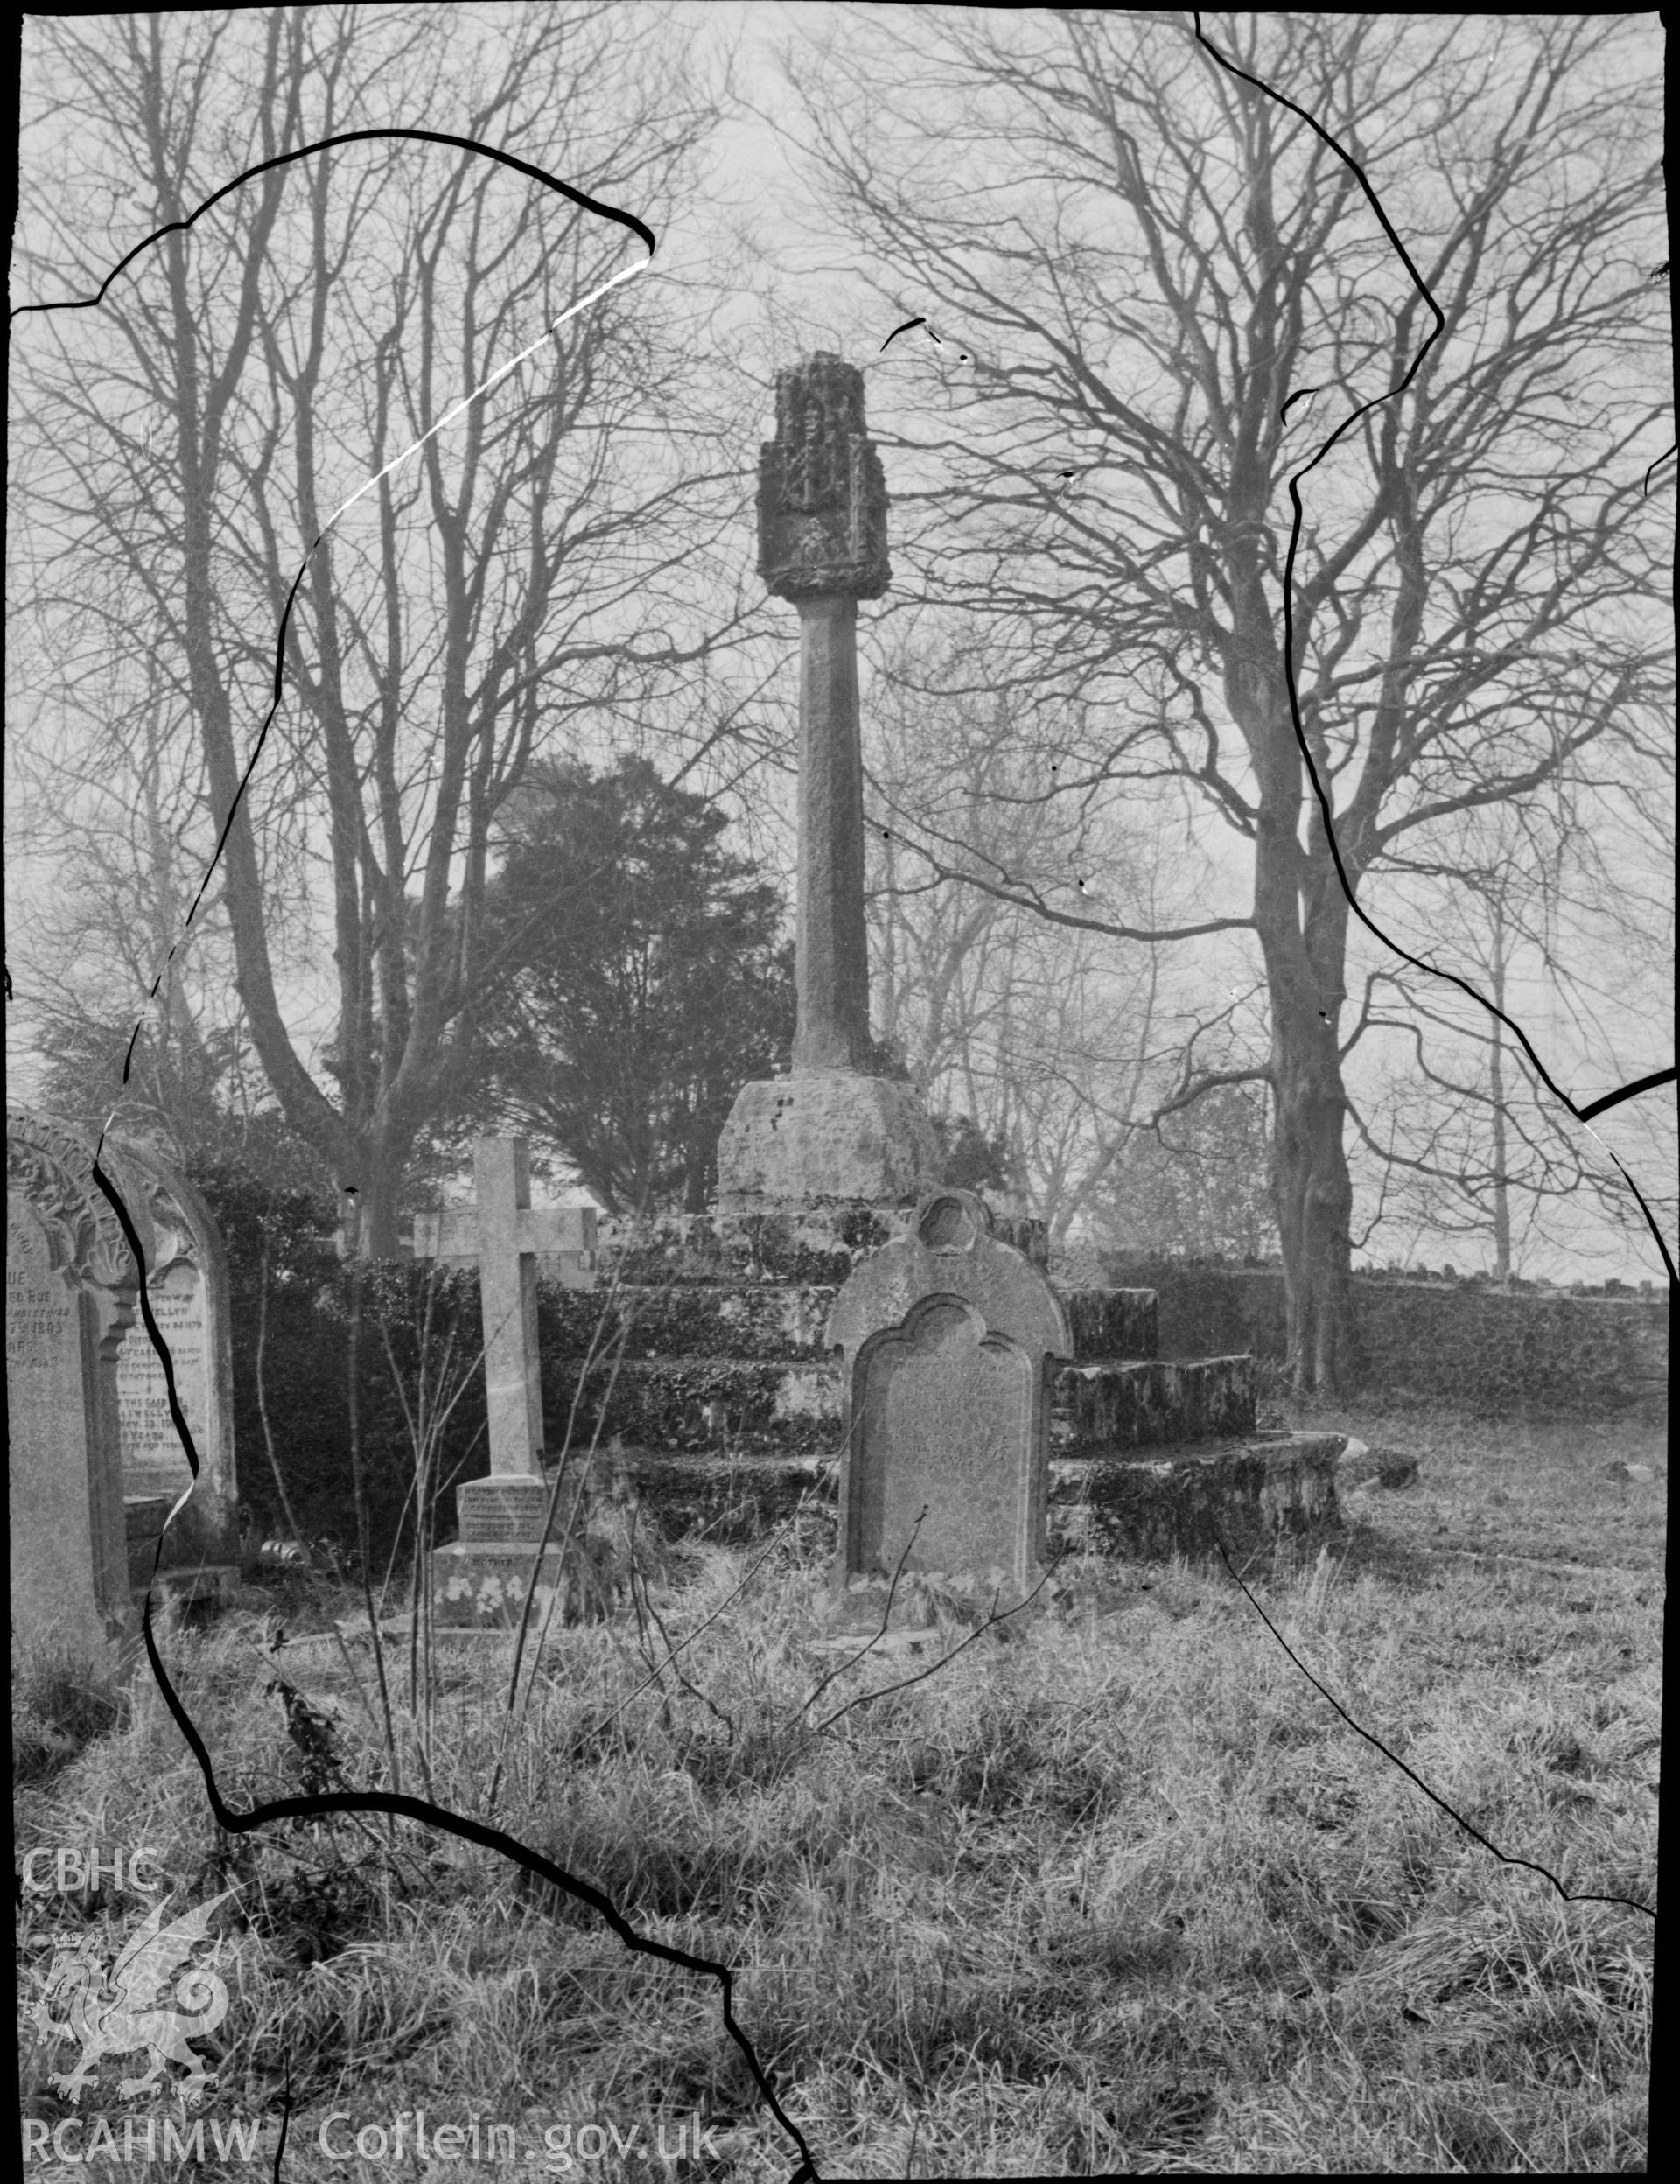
{"points": [[754, 187]]}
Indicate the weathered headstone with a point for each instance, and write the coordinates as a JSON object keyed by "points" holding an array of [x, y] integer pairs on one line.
{"points": [[71, 1283], [187, 1287], [480, 1579], [947, 1336], [829, 1134]]}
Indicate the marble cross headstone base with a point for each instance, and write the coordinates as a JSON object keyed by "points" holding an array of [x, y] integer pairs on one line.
{"points": [[482, 1579]]}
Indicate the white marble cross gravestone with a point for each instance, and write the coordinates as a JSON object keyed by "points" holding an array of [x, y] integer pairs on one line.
{"points": [[503, 1234]]}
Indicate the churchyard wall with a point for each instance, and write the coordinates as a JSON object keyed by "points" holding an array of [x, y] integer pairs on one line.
{"points": [[1438, 1339]]}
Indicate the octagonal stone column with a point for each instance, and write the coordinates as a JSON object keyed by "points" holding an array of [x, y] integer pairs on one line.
{"points": [[830, 1135]]}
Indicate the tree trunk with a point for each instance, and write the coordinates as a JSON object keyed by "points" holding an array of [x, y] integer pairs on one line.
{"points": [[1300, 915], [373, 1191], [1502, 1181], [1314, 1196]]}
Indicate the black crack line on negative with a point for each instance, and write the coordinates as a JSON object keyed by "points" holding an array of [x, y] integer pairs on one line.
{"points": [[1626, 1092], [909, 324], [1505, 1858], [155, 1336], [367, 1802], [405, 1808], [285, 2116], [356, 137]]}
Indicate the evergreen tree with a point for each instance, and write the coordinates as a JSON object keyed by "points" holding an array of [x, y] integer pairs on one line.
{"points": [[645, 982]]}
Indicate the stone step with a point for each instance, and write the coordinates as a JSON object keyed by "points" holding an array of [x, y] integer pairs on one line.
{"points": [[763, 1406], [1248, 1490], [715, 1405], [723, 1320], [787, 1320], [1134, 1403], [823, 1242]]}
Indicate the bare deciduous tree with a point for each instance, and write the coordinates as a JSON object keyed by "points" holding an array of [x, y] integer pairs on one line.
{"points": [[1469, 1143], [1168, 290], [535, 561], [1056, 1046]]}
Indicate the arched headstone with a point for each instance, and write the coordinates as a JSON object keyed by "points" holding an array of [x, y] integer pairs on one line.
{"points": [[188, 1290], [947, 1336], [71, 1283]]}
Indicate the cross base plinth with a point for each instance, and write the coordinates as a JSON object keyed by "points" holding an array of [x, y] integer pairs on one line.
{"points": [[512, 1509], [825, 1137]]}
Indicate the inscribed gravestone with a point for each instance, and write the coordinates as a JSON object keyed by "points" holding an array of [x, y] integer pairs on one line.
{"points": [[187, 1288], [947, 1336], [70, 1290]]}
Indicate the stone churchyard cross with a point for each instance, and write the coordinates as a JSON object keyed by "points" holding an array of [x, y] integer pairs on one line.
{"points": [[831, 1132], [503, 1234]]}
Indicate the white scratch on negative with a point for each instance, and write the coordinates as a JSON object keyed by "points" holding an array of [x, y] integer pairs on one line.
{"points": [[466, 401]]}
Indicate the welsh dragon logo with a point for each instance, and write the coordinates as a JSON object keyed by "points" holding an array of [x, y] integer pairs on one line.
{"points": [[127, 2011]]}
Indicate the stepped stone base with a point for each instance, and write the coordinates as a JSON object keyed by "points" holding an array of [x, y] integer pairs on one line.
{"points": [[725, 1416], [735, 1404], [1147, 1504]]}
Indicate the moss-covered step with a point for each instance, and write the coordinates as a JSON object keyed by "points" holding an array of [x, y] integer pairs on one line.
{"points": [[783, 1320], [1246, 1492], [1140, 1403], [1249, 1491], [734, 1500], [1112, 1323], [721, 1405], [822, 1243], [759, 1405], [719, 1319]]}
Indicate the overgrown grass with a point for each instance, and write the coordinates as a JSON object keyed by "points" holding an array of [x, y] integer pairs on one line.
{"points": [[1121, 1893]]}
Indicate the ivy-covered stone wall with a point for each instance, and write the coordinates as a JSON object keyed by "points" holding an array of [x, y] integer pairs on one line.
{"points": [[1441, 1340]]}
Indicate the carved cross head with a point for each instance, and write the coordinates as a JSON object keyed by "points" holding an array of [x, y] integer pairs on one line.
{"points": [[821, 494]]}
